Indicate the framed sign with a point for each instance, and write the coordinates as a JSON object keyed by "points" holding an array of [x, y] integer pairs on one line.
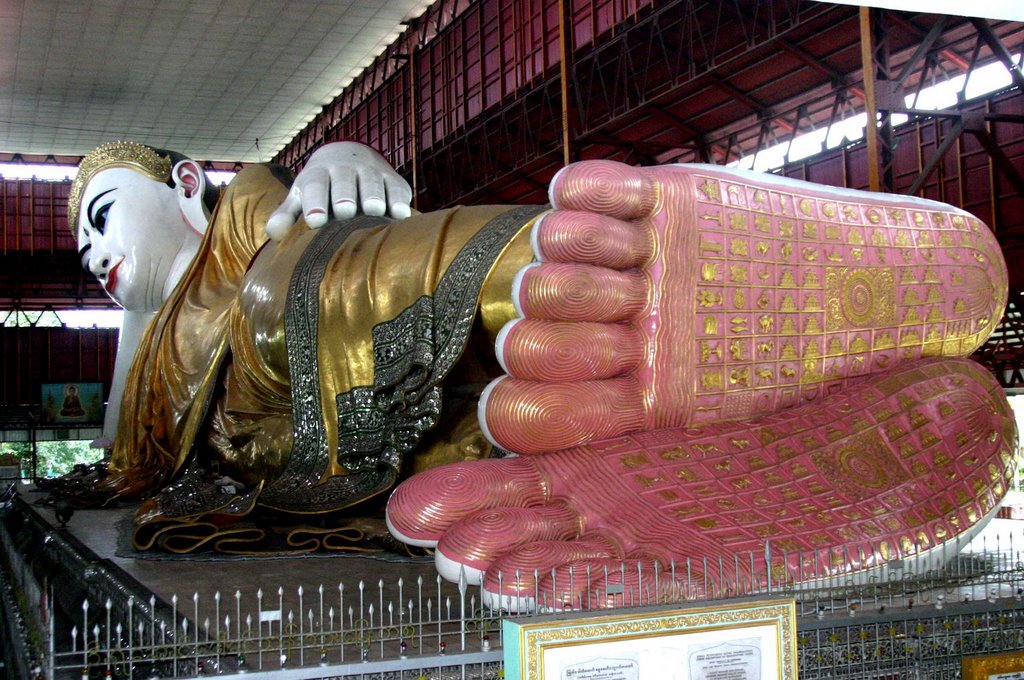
{"points": [[739, 640], [1005, 666], [80, 402]]}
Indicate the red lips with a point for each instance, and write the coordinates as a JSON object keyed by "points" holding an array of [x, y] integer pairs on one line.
{"points": [[112, 277]]}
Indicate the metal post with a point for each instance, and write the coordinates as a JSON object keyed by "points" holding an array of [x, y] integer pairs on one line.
{"points": [[414, 123], [870, 127], [565, 66]]}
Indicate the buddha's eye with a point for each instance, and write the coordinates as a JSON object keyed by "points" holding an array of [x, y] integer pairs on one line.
{"points": [[98, 211], [99, 219], [83, 256]]}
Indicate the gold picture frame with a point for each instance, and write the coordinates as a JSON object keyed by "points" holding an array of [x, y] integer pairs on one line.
{"points": [[753, 638], [1004, 666]]}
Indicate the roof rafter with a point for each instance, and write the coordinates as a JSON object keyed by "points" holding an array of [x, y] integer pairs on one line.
{"points": [[820, 65]]}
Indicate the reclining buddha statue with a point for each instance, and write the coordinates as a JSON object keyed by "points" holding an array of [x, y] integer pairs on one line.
{"points": [[689, 361]]}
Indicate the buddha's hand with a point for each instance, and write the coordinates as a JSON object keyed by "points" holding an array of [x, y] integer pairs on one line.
{"points": [[339, 181]]}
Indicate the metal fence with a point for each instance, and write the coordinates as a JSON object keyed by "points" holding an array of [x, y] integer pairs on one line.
{"points": [[907, 623], [922, 642], [345, 631], [915, 618]]}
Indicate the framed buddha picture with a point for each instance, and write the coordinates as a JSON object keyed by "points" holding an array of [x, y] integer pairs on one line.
{"points": [[69, 403]]}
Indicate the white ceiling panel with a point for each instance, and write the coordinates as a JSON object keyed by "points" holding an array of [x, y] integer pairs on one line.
{"points": [[204, 77]]}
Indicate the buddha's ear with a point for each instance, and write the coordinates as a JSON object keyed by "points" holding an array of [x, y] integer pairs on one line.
{"points": [[190, 183]]}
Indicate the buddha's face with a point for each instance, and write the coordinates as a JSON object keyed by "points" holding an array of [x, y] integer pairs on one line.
{"points": [[132, 235]]}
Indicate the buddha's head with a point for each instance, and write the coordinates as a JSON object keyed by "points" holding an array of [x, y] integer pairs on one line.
{"points": [[139, 214]]}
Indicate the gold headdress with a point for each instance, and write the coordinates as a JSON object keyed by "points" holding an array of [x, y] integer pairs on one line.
{"points": [[132, 155]]}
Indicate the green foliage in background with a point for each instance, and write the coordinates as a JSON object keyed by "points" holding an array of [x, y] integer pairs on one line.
{"points": [[55, 458]]}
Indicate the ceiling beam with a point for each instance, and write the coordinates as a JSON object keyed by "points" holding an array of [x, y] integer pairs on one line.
{"points": [[819, 64], [738, 94], [675, 121], [922, 48], [947, 53], [999, 49]]}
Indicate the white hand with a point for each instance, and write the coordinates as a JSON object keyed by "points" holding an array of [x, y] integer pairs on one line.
{"points": [[340, 180]]}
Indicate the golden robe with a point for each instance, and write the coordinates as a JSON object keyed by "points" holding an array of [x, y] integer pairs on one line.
{"points": [[307, 369]]}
